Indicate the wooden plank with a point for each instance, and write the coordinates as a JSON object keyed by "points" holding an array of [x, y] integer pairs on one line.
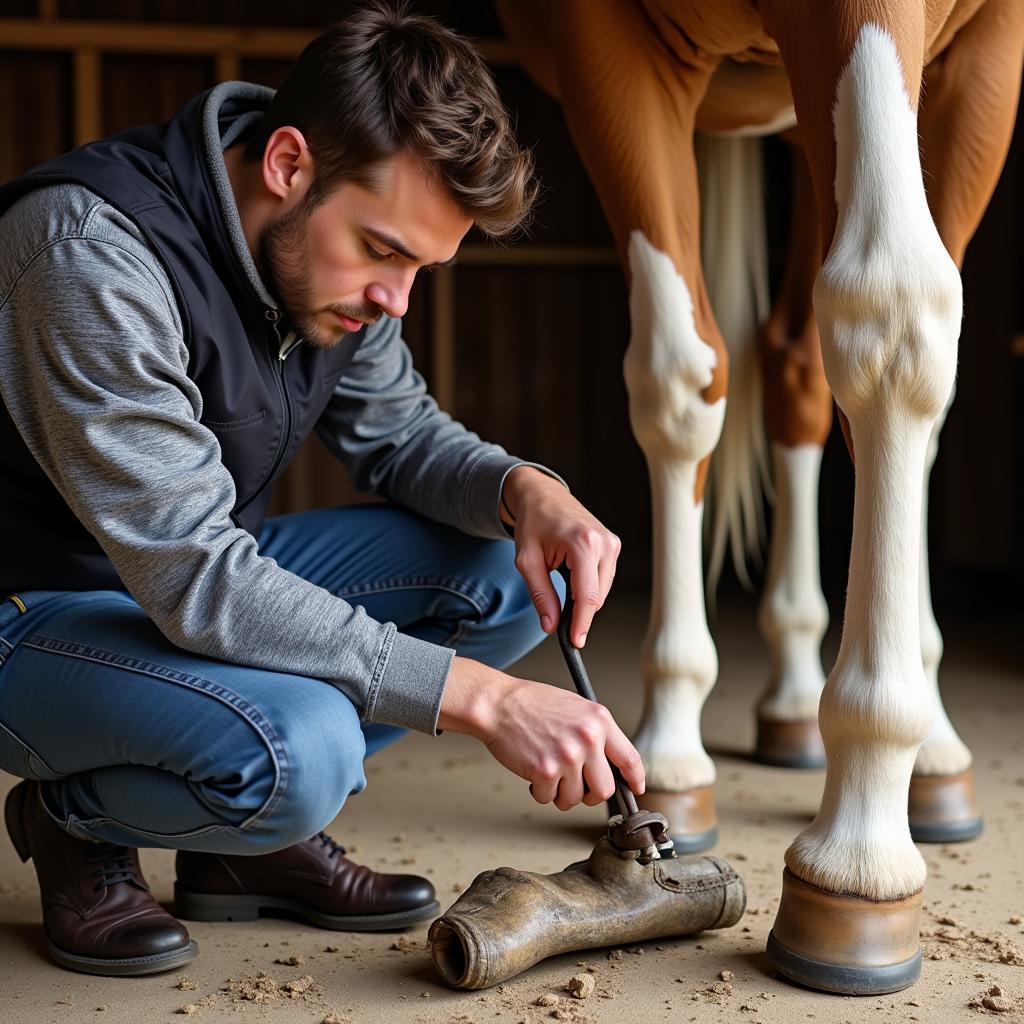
{"points": [[442, 337], [539, 256], [172, 37], [88, 122], [228, 64], [48, 9]]}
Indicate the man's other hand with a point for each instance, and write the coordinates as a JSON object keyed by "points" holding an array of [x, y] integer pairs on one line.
{"points": [[558, 741], [552, 527]]}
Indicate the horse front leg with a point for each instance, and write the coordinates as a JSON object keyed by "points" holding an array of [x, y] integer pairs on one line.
{"points": [[631, 105], [669, 373], [888, 304]]}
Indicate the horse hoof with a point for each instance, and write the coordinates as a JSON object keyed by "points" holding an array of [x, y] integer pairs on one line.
{"points": [[943, 808], [692, 822], [795, 744], [845, 944]]}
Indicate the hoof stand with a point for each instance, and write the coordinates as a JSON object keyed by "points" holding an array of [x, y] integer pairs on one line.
{"points": [[794, 744], [943, 808], [845, 944]]}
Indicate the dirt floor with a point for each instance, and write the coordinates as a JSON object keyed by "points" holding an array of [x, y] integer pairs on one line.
{"points": [[444, 809]]}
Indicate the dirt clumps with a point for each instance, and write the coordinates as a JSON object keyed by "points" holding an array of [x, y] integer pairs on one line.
{"points": [[954, 941], [995, 1001], [298, 986], [192, 1008], [581, 986], [290, 961], [403, 944], [261, 989]]}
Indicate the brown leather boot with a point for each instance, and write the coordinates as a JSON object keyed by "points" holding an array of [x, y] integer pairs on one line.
{"points": [[98, 913], [312, 880]]}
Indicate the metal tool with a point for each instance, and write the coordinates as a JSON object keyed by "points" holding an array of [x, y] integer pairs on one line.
{"points": [[633, 832]]}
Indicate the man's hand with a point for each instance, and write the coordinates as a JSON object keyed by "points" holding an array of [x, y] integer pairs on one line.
{"points": [[556, 740], [552, 527]]}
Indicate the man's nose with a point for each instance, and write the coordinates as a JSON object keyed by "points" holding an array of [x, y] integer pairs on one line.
{"points": [[392, 295]]}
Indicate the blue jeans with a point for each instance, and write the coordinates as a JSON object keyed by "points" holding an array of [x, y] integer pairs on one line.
{"points": [[141, 743]]}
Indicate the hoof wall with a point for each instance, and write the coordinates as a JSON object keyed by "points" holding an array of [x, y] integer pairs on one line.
{"points": [[955, 832], [846, 944], [849, 981], [789, 744], [692, 821], [695, 842], [943, 808]]}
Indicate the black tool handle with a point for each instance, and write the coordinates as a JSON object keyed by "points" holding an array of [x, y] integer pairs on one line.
{"points": [[578, 672]]}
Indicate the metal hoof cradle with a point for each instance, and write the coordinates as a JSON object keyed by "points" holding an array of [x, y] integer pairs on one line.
{"points": [[694, 824], [794, 744], [845, 944]]}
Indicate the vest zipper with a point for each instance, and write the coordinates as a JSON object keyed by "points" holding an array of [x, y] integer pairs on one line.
{"points": [[281, 380]]}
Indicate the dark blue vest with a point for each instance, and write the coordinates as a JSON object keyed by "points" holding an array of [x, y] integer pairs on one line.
{"points": [[259, 406]]}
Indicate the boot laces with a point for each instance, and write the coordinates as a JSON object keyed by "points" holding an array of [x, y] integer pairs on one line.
{"points": [[115, 865], [326, 840]]}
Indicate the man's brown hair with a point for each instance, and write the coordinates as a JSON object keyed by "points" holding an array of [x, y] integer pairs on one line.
{"points": [[384, 80]]}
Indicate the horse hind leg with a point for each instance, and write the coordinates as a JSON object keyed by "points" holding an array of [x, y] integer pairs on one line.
{"points": [[967, 119], [943, 806], [793, 615]]}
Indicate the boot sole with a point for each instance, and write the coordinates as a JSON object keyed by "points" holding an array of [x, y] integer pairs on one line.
{"points": [[125, 966], [196, 906]]}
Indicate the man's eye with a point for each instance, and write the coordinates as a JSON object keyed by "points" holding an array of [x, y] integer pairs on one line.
{"points": [[374, 254]]}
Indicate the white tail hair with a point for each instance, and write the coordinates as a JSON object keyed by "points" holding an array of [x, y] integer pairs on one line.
{"points": [[734, 252]]}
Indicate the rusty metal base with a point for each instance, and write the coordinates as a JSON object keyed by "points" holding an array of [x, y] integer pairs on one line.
{"points": [[692, 822], [845, 944], [794, 744], [943, 808]]}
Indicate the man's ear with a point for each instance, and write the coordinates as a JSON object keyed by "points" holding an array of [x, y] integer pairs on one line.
{"points": [[287, 166]]}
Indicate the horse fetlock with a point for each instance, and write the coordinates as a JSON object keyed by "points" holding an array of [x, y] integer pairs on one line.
{"points": [[849, 858], [942, 752], [672, 772], [882, 708]]}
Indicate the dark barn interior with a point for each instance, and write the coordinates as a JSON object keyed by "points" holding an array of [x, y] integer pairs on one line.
{"points": [[524, 344]]}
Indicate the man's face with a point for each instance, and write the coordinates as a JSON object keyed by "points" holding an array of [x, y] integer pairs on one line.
{"points": [[354, 256]]}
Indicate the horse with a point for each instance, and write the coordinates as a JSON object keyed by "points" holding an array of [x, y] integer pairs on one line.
{"points": [[879, 260]]}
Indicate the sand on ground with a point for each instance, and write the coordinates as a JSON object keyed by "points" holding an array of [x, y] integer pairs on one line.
{"points": [[443, 808]]}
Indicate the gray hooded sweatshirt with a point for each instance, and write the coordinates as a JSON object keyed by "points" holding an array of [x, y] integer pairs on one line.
{"points": [[117, 430]]}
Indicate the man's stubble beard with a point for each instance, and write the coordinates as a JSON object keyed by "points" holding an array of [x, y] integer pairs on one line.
{"points": [[286, 266]]}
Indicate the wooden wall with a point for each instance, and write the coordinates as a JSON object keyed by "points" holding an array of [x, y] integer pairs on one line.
{"points": [[525, 345]]}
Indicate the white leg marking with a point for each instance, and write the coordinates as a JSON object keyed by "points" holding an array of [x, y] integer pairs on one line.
{"points": [[942, 752], [888, 301], [793, 614], [667, 366]]}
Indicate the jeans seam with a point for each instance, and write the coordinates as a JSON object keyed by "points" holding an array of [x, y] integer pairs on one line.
{"points": [[87, 825], [27, 753], [216, 691], [452, 586]]}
